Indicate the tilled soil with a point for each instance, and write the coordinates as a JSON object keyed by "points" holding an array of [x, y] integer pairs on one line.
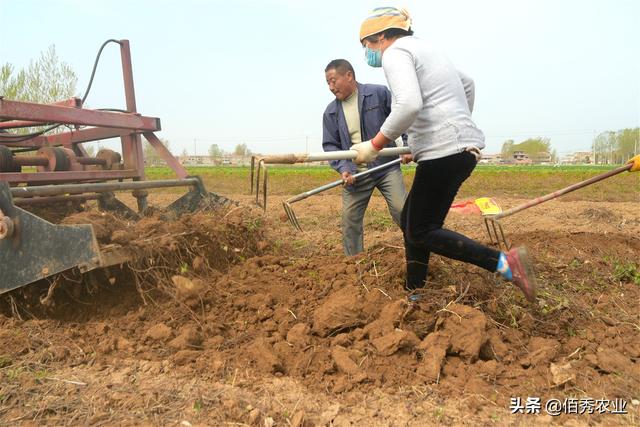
{"points": [[236, 319]]}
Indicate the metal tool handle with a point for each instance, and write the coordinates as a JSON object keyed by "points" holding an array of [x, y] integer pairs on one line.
{"points": [[329, 155], [559, 193], [334, 184]]}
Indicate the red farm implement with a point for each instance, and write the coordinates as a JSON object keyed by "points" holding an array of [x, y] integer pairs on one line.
{"points": [[49, 168]]}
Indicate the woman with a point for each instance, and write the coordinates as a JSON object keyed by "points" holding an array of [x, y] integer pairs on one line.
{"points": [[432, 103]]}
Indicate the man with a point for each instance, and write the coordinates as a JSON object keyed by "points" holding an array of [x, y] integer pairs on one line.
{"points": [[355, 116]]}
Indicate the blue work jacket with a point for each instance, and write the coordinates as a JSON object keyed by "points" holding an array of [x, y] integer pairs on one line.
{"points": [[374, 105]]}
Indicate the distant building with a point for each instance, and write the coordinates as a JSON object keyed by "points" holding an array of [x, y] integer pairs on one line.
{"points": [[541, 158], [193, 160], [578, 158], [566, 160], [154, 161], [583, 158], [521, 158], [236, 160], [518, 158], [491, 159]]}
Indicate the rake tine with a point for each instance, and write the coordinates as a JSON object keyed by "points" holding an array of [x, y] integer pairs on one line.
{"points": [[259, 168], [495, 233], [291, 215], [502, 236], [253, 169], [265, 186], [253, 166], [486, 224], [296, 223]]}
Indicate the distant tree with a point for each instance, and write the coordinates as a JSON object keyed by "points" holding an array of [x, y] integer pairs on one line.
{"points": [[151, 157], [44, 81], [611, 147], [11, 86], [242, 150], [536, 148], [603, 147], [215, 151], [184, 154], [507, 149], [628, 143]]}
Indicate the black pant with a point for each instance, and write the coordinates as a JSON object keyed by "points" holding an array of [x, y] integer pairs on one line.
{"points": [[434, 187]]}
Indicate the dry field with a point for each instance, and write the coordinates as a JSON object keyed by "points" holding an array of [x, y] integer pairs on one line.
{"points": [[266, 326]]}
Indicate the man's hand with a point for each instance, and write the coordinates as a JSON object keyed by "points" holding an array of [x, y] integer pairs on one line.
{"points": [[348, 178], [635, 162], [406, 158], [366, 152]]}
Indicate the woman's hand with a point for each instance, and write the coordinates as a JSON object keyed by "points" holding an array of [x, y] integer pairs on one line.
{"points": [[406, 158]]}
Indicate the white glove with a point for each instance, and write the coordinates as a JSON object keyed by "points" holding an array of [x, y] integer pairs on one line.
{"points": [[366, 152]]}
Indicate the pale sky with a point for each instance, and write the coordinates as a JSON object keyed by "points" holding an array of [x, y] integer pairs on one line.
{"points": [[228, 72]]}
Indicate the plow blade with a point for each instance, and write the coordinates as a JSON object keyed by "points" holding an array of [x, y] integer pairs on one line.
{"points": [[197, 198], [36, 249]]}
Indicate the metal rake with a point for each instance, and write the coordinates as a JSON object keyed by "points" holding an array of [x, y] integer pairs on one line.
{"points": [[492, 222], [259, 165], [291, 215]]}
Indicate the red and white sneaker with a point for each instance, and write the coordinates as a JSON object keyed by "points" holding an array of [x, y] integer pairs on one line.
{"points": [[522, 272]]}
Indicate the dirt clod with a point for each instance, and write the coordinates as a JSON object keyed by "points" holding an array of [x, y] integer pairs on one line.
{"points": [[189, 338], [433, 349], [159, 332], [541, 351], [561, 374], [298, 335], [343, 360], [611, 361], [340, 311], [186, 287], [394, 341], [466, 328]]}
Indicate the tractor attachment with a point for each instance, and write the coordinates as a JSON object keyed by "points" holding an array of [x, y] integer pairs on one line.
{"points": [[41, 168]]}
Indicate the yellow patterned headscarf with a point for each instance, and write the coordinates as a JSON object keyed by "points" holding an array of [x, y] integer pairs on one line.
{"points": [[383, 18]]}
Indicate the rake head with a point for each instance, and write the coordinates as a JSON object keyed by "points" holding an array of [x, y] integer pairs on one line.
{"points": [[291, 215], [259, 167], [495, 232]]}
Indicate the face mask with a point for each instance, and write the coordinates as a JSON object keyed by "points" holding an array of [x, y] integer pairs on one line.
{"points": [[374, 57]]}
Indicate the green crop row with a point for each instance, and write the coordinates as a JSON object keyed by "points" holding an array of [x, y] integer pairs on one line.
{"points": [[486, 180]]}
